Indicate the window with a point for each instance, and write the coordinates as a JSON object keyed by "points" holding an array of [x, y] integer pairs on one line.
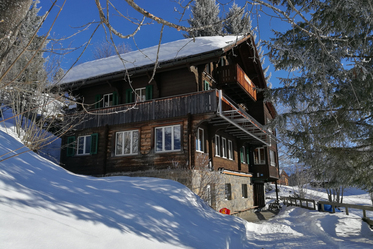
{"points": [[228, 191], [242, 154], [224, 147], [126, 143], [87, 144], [244, 190], [208, 195], [106, 100], [259, 157], [167, 138], [217, 145], [272, 156], [230, 150], [140, 94], [200, 140], [207, 85], [269, 128]]}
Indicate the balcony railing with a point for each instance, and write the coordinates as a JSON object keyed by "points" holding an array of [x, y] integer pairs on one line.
{"points": [[233, 75], [163, 108]]}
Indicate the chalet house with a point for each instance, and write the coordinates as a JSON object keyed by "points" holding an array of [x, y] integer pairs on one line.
{"points": [[199, 106], [284, 178]]}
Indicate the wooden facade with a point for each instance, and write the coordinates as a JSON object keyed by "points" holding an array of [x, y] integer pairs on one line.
{"points": [[190, 109]]}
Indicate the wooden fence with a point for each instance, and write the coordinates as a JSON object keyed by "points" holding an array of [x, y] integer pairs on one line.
{"points": [[346, 206], [299, 202]]}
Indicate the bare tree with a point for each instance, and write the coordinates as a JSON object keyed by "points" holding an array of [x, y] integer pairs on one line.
{"points": [[105, 49]]}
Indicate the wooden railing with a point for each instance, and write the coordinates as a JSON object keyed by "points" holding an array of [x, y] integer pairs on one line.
{"points": [[346, 206], [163, 108], [298, 202], [234, 74]]}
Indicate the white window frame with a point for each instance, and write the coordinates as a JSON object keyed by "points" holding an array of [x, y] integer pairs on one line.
{"points": [[272, 157], [134, 148], [106, 99], [224, 147], [140, 94], [200, 141], [230, 150], [260, 160], [162, 129], [84, 152], [217, 146]]}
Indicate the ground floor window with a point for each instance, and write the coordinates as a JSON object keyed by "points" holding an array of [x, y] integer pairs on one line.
{"points": [[126, 143], [87, 144], [259, 156], [228, 191], [244, 190], [200, 140], [168, 138]]}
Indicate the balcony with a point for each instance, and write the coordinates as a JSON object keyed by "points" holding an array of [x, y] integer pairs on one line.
{"points": [[235, 83]]}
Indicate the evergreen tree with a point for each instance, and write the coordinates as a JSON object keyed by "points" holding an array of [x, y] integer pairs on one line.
{"points": [[205, 14], [238, 21], [329, 94]]}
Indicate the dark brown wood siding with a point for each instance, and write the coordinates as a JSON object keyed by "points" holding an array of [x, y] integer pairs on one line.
{"points": [[177, 82]]}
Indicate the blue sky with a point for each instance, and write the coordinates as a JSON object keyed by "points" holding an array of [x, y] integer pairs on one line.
{"points": [[76, 14]]}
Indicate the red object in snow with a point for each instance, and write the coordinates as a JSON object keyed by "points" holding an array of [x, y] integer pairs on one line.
{"points": [[225, 211]]}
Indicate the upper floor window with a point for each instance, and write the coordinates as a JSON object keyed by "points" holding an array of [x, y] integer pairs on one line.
{"points": [[230, 150], [259, 156], [106, 100], [126, 143], [167, 138], [200, 140], [217, 145], [272, 157], [140, 94]]}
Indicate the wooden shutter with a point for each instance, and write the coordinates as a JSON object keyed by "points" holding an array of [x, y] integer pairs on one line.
{"points": [[247, 155], [98, 101], [94, 143], [115, 98], [149, 92], [242, 155], [70, 150], [207, 85], [129, 95]]}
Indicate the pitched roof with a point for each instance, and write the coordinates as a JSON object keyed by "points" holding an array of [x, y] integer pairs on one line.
{"points": [[176, 50]]}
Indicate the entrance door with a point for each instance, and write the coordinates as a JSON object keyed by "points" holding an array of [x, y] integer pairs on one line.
{"points": [[259, 195]]}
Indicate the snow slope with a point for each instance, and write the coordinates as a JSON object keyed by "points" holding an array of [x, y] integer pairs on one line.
{"points": [[44, 206]]}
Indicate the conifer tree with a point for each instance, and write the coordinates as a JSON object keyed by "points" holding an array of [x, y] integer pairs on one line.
{"points": [[205, 14], [238, 21], [330, 51]]}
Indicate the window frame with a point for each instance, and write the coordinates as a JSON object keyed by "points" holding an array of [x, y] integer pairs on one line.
{"points": [[224, 147], [260, 161], [272, 158], [227, 192], [162, 128], [84, 145], [217, 146], [244, 190], [200, 142], [142, 96], [131, 132], [243, 154], [109, 102], [230, 150]]}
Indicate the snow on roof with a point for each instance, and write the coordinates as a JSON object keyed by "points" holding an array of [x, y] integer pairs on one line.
{"points": [[168, 51]]}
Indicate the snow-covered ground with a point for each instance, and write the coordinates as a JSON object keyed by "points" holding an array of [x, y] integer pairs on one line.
{"points": [[44, 206]]}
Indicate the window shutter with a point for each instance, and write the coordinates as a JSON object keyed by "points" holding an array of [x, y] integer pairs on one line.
{"points": [[149, 92], [70, 150], [129, 95], [94, 143], [98, 101], [115, 98], [241, 153], [247, 155]]}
